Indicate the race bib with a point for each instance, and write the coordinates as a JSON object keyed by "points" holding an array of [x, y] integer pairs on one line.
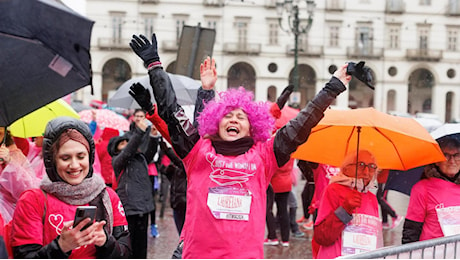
{"points": [[229, 203], [361, 234], [449, 219]]}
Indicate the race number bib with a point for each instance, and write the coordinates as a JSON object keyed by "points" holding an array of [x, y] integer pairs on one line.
{"points": [[229, 203], [449, 219], [361, 234]]}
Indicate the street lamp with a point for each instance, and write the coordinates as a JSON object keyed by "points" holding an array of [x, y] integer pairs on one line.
{"points": [[292, 9]]}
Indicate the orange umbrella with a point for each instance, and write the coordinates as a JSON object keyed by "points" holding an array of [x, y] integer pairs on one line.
{"points": [[398, 143]]}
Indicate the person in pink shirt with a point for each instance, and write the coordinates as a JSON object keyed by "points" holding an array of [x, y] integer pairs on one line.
{"points": [[434, 207], [348, 216], [231, 157], [42, 226]]}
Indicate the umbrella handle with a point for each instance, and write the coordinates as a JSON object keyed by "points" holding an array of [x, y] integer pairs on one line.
{"points": [[357, 155], [4, 136]]}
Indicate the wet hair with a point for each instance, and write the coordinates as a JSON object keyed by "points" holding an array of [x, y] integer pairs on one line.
{"points": [[260, 120], [8, 139], [449, 141]]}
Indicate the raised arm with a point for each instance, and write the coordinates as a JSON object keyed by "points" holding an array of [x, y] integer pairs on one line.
{"points": [[208, 76], [296, 131], [183, 134]]}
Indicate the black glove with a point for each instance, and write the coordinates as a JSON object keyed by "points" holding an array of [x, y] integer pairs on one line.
{"points": [[142, 97], [361, 72], [283, 98], [146, 51]]}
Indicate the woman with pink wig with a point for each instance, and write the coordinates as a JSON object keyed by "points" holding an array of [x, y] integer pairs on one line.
{"points": [[230, 158]]}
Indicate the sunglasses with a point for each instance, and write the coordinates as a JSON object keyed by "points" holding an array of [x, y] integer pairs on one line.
{"points": [[362, 166]]}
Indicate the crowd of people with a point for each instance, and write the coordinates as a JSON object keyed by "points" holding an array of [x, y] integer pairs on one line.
{"points": [[227, 168]]}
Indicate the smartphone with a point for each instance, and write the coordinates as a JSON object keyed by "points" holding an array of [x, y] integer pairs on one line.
{"points": [[84, 212]]}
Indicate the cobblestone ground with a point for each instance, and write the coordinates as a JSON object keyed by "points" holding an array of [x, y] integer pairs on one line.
{"points": [[163, 246]]}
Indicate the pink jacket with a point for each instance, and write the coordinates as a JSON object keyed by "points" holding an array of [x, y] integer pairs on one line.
{"points": [[16, 177]]}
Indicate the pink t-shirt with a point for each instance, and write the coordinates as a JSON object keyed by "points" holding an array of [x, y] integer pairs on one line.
{"points": [[28, 220], [219, 188], [322, 174], [426, 196], [333, 197]]}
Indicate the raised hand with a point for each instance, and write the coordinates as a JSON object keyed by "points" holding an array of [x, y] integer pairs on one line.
{"points": [[208, 73], [142, 97], [147, 51], [283, 98], [341, 74]]}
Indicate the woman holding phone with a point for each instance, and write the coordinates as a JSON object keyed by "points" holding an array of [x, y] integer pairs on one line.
{"points": [[43, 225]]}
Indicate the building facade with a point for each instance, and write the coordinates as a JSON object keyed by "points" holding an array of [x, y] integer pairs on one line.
{"points": [[411, 46]]}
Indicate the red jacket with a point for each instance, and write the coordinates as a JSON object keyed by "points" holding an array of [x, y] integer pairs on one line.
{"points": [[104, 157], [282, 179]]}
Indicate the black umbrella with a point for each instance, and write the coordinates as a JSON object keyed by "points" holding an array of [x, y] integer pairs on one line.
{"points": [[44, 50], [403, 181]]}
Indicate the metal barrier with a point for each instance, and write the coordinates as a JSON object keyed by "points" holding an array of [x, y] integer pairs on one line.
{"points": [[438, 248]]}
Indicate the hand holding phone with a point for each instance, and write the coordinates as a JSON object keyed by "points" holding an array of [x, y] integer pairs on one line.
{"points": [[84, 212]]}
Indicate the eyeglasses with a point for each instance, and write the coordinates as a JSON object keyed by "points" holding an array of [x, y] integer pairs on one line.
{"points": [[456, 156], [362, 166]]}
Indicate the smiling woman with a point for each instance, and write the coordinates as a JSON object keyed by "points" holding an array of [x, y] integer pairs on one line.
{"points": [[232, 154], [43, 219]]}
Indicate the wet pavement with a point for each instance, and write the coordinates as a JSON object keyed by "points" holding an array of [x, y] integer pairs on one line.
{"points": [[163, 246]]}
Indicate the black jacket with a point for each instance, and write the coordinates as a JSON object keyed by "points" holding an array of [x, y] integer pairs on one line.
{"points": [[176, 175], [184, 135], [134, 186]]}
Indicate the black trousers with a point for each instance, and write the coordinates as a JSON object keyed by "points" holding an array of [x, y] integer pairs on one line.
{"points": [[307, 196], [138, 225], [385, 208], [281, 200]]}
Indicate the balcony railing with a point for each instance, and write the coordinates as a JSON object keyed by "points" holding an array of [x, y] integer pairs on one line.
{"points": [[368, 53], [213, 2], [170, 46], [395, 7], [149, 1], [242, 48], [335, 5], [423, 55], [113, 43], [305, 50], [453, 8]]}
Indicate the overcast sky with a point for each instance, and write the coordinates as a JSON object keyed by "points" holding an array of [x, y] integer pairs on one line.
{"points": [[77, 5]]}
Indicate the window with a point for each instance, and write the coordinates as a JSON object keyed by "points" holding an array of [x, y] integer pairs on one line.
{"points": [[423, 40], [452, 39], [273, 33], [180, 22], [242, 32], [393, 37], [425, 2], [212, 24], [148, 25], [334, 35], [364, 39], [117, 27]]}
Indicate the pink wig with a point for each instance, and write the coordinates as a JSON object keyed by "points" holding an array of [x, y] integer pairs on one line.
{"points": [[259, 117]]}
